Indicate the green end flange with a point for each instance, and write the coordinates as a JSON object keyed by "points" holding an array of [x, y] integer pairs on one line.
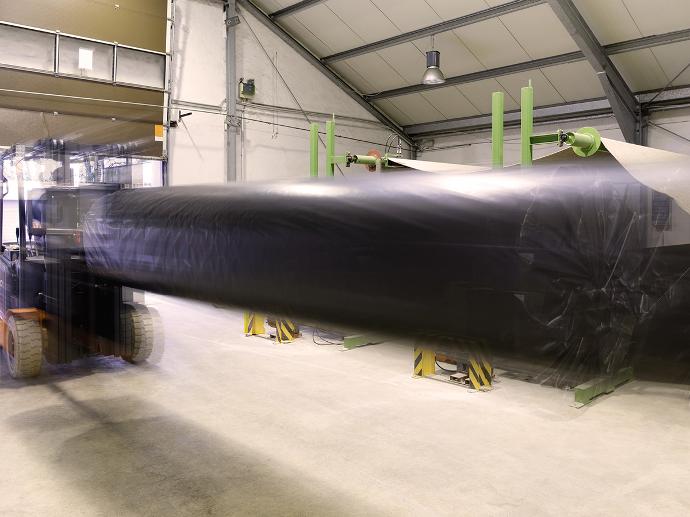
{"points": [[585, 142]]}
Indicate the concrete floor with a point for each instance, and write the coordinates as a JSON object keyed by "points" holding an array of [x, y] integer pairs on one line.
{"points": [[228, 425]]}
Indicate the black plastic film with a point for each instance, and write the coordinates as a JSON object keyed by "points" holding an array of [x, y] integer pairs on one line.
{"points": [[548, 263]]}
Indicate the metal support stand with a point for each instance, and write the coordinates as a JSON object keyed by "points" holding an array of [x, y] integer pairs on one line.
{"points": [[254, 323], [286, 331], [424, 362]]}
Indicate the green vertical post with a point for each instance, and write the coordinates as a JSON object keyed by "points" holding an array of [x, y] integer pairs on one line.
{"points": [[526, 124], [497, 130], [314, 149], [330, 147]]}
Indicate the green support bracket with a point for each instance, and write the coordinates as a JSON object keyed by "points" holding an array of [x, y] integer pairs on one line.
{"points": [[588, 391], [330, 147], [497, 107], [548, 138], [526, 124], [313, 149]]}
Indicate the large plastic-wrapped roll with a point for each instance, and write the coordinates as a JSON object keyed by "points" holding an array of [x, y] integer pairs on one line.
{"points": [[532, 262]]}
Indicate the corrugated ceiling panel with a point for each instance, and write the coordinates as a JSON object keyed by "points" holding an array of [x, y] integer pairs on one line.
{"points": [[640, 70], [609, 20], [417, 108], [673, 58], [479, 94], [659, 17], [407, 59], [539, 32], [449, 9], [544, 92], [408, 15], [353, 77], [587, 86], [377, 72], [456, 58], [364, 18], [307, 38], [491, 43], [325, 25], [451, 102], [393, 112]]}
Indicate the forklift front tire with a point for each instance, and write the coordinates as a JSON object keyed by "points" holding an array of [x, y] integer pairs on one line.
{"points": [[24, 347], [137, 332]]}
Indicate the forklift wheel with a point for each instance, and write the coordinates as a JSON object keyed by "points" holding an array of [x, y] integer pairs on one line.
{"points": [[24, 350], [136, 332]]}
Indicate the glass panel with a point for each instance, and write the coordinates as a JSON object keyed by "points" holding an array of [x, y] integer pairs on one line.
{"points": [[27, 48], [85, 58], [142, 68]]}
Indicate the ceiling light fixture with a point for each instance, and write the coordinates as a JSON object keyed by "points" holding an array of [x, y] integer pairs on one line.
{"points": [[433, 74]]}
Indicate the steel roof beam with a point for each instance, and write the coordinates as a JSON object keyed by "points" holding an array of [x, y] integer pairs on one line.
{"points": [[623, 102], [292, 9], [480, 75], [660, 100], [469, 19], [647, 41], [569, 57], [590, 108]]}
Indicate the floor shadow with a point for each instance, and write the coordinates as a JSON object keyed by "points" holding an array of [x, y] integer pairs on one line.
{"points": [[129, 456]]}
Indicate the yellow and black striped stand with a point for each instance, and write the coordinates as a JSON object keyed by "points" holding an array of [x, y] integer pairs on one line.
{"points": [[480, 372], [424, 362], [254, 323], [286, 331]]}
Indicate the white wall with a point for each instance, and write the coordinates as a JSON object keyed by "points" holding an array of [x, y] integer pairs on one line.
{"points": [[265, 152], [196, 153]]}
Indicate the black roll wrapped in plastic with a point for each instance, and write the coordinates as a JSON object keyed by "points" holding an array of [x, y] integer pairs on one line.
{"points": [[541, 263]]}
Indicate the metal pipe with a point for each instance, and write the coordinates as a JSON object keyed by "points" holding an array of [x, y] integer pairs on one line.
{"points": [[497, 107], [168, 95], [363, 159], [580, 140], [526, 124], [313, 149], [231, 21]]}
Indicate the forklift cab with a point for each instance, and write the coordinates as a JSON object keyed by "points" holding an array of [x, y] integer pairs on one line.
{"points": [[51, 306]]}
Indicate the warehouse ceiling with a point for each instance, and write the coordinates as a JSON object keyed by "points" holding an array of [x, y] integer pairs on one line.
{"points": [[494, 45]]}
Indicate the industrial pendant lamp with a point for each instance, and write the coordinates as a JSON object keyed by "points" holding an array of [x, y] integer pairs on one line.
{"points": [[433, 74]]}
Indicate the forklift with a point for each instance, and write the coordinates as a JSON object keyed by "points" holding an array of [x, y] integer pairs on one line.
{"points": [[51, 306]]}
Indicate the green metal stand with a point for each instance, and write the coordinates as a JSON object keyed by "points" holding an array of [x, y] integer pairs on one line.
{"points": [[584, 142], [497, 103], [314, 149], [330, 147], [526, 124]]}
